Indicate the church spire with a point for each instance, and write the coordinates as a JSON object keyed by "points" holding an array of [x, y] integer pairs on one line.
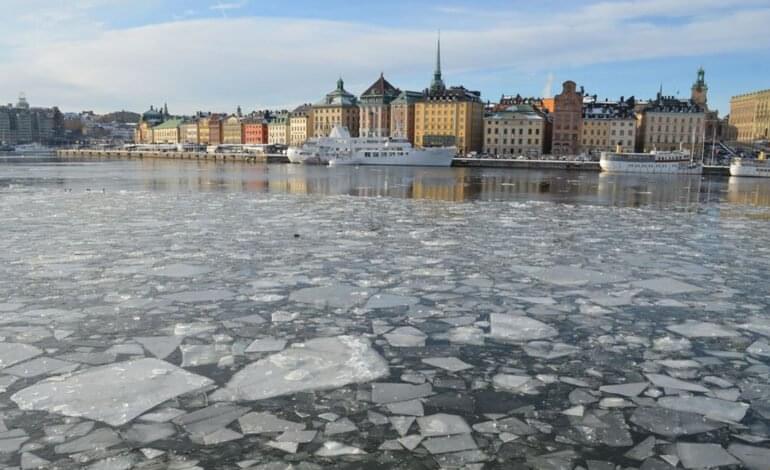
{"points": [[438, 83]]}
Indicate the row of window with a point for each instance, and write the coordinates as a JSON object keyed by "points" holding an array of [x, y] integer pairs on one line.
{"points": [[603, 142], [491, 141], [513, 131]]}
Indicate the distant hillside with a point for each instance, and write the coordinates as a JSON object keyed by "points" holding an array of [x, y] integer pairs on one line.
{"points": [[120, 116]]}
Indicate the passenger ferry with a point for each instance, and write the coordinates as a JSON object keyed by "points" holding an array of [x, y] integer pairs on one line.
{"points": [[750, 167], [342, 149], [676, 162]]}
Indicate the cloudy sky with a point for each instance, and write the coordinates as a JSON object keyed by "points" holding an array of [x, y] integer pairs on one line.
{"points": [[217, 54]]}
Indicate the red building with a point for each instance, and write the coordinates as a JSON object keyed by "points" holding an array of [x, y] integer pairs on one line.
{"points": [[567, 120], [254, 132]]}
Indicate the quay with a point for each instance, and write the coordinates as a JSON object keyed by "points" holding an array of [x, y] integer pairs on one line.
{"points": [[568, 165]]}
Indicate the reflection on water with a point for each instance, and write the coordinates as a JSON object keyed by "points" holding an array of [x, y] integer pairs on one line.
{"points": [[444, 184]]}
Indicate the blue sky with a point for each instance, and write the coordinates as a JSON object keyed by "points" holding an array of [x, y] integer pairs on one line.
{"points": [[217, 54]]}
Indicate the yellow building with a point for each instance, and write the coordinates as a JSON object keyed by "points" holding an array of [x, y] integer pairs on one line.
{"points": [[278, 129], [449, 116], [608, 126], [188, 132], [166, 132], [203, 130], [338, 108], [299, 124], [232, 130], [750, 116], [669, 123], [517, 130]]}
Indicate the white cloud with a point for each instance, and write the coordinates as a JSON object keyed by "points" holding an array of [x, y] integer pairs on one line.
{"points": [[218, 63]]}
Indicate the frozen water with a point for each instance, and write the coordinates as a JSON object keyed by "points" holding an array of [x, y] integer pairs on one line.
{"points": [[401, 424], [443, 445], [760, 349], [318, 364], [703, 330], [672, 423], [266, 345], [336, 449], [754, 458], [115, 394], [399, 392], [160, 346], [626, 390], [703, 455], [210, 419], [548, 350], [11, 441], [341, 426], [517, 383], [712, 408], [41, 366], [406, 337], [12, 353], [101, 438], [336, 295], [666, 286], [180, 270], [264, 422], [517, 328], [451, 364], [669, 382], [442, 425], [390, 301]]}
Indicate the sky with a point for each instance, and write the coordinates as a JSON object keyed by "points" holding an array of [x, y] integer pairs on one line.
{"points": [[108, 55]]}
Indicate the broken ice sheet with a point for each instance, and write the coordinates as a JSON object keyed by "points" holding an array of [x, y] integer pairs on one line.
{"points": [[666, 286], [443, 425], [712, 408], [406, 337], [12, 353], [451, 364], [703, 455], [336, 296], [115, 394], [265, 422], [266, 345], [518, 328], [318, 364], [693, 329], [335, 449]]}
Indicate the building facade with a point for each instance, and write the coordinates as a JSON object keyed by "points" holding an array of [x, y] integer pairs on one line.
{"points": [[278, 129], [188, 132], [167, 132], [402, 115], [254, 131], [214, 128], [608, 126], [668, 123], [750, 116], [299, 125], [374, 108], [21, 124], [514, 131], [338, 108], [149, 119], [449, 116], [232, 130], [567, 118]]}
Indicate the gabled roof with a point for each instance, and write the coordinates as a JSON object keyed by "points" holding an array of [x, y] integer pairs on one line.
{"points": [[381, 88]]}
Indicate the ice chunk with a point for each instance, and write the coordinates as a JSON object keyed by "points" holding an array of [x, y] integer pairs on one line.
{"points": [[341, 426], [321, 363], [264, 422], [517, 328], [334, 449], [600, 426], [758, 325], [409, 408], [41, 366], [115, 394], [466, 335], [627, 390], [11, 441], [101, 438], [397, 392], [713, 408], [754, 458], [390, 301], [410, 442], [31, 461], [442, 425], [300, 437], [548, 350], [217, 437], [266, 345], [672, 423], [212, 295], [451, 364], [759, 349], [336, 296], [669, 344], [703, 455], [406, 337], [666, 286], [12, 353], [568, 276], [210, 419], [642, 451], [443, 445], [665, 381], [146, 433], [162, 415], [288, 447], [578, 411], [194, 355], [180, 270], [695, 329], [401, 424], [517, 383], [160, 346]]}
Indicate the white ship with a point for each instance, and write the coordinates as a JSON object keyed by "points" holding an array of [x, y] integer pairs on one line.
{"points": [[342, 149], [750, 167], [676, 162], [33, 149]]}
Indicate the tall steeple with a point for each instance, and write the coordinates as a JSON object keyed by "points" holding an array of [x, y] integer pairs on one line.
{"points": [[700, 90], [438, 83]]}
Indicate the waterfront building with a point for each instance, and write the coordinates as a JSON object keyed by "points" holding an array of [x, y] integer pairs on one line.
{"points": [[232, 130], [299, 125], [166, 132], [750, 116], [374, 106], [514, 131], [567, 120], [506, 101], [337, 108], [149, 119], [402, 115], [278, 129], [669, 123], [254, 131], [608, 126], [449, 116], [188, 132]]}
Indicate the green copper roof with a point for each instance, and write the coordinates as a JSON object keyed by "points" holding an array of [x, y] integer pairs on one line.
{"points": [[170, 124]]}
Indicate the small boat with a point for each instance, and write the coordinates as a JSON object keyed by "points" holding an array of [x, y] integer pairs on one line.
{"points": [[758, 168], [674, 162]]}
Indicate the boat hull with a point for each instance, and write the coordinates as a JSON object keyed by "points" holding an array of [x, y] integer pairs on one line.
{"points": [[754, 169], [438, 157], [651, 167], [296, 155]]}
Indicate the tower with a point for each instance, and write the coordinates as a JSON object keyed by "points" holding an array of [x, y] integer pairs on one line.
{"points": [[700, 89], [437, 84]]}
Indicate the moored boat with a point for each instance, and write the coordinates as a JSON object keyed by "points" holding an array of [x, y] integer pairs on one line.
{"points": [[675, 162], [758, 168]]}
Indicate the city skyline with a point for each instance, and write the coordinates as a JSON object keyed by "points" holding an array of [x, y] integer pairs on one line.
{"points": [[107, 55]]}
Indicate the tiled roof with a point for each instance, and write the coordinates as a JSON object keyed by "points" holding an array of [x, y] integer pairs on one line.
{"points": [[381, 88]]}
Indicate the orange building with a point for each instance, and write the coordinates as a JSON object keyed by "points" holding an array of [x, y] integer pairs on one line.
{"points": [[254, 131], [567, 120]]}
